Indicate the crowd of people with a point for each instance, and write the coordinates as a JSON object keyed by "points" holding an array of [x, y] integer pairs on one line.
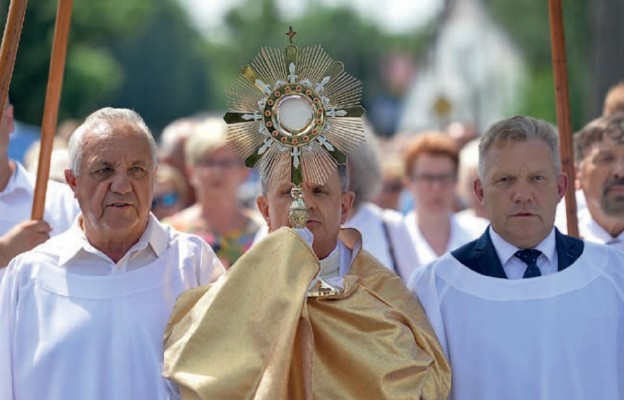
{"points": [[450, 270]]}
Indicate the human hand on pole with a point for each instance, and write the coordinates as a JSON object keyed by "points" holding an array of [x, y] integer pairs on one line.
{"points": [[22, 237]]}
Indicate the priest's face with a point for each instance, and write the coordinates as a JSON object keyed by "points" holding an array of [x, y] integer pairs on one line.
{"points": [[328, 206], [114, 187], [520, 190]]}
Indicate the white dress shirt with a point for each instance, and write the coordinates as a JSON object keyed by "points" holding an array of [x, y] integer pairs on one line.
{"points": [[514, 267]]}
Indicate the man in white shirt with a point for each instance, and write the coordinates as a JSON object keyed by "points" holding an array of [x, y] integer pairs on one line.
{"points": [[599, 155], [82, 316], [525, 312], [18, 233]]}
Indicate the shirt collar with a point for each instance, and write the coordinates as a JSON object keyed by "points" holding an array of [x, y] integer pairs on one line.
{"points": [[506, 250], [592, 231], [155, 235], [331, 264]]}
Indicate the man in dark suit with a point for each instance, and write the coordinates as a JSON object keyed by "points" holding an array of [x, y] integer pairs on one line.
{"points": [[525, 312]]}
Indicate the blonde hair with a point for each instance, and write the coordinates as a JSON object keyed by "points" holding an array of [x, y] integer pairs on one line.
{"points": [[208, 135]]}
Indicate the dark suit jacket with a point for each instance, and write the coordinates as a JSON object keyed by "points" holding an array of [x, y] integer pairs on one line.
{"points": [[480, 255]]}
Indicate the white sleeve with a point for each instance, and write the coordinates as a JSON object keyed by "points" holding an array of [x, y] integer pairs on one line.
{"points": [[210, 267], [8, 304], [422, 283]]}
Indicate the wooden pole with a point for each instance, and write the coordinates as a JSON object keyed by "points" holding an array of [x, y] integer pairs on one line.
{"points": [[52, 100], [557, 38], [8, 50]]}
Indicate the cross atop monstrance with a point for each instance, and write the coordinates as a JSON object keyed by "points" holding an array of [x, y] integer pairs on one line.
{"points": [[290, 34]]}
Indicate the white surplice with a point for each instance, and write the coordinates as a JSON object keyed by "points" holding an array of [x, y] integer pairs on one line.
{"points": [[559, 336], [94, 333]]}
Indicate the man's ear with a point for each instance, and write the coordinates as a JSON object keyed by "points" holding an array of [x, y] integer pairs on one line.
{"points": [[346, 205], [263, 207], [70, 178], [477, 187]]}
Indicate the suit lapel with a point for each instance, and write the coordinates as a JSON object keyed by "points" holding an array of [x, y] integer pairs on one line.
{"points": [[480, 256], [569, 249]]}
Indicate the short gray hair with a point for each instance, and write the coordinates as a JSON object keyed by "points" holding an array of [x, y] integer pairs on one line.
{"points": [[109, 116], [519, 128], [342, 174]]}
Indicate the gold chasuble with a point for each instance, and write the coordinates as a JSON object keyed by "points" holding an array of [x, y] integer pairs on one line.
{"points": [[255, 334]]}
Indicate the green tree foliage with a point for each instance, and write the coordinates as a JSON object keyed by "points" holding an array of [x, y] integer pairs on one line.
{"points": [[141, 54], [146, 55], [359, 44], [92, 73], [167, 68], [528, 24]]}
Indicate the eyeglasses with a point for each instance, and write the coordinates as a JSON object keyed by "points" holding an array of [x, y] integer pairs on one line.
{"points": [[166, 200], [226, 163], [392, 187], [444, 179]]}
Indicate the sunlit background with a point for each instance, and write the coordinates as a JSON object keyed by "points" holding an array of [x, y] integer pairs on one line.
{"points": [[424, 63]]}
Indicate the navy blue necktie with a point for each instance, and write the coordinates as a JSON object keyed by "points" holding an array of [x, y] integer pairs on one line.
{"points": [[529, 256]]}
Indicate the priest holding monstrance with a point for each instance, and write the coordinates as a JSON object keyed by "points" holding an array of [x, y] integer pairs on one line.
{"points": [[306, 313]]}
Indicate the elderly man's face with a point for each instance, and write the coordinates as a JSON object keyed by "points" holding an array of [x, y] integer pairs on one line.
{"points": [[520, 191], [601, 175], [115, 184], [328, 208]]}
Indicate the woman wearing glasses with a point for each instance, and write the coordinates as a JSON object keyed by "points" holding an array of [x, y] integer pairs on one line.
{"points": [[431, 167], [216, 174]]}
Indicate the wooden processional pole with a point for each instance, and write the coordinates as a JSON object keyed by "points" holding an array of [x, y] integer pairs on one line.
{"points": [[52, 100], [557, 38], [8, 50]]}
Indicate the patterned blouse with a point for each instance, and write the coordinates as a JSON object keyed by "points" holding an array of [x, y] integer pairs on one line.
{"points": [[229, 246]]}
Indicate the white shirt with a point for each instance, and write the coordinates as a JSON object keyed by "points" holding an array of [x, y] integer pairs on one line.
{"points": [[81, 258], [390, 243], [17, 198], [559, 336], [591, 231], [514, 267], [463, 230], [337, 263], [74, 325]]}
